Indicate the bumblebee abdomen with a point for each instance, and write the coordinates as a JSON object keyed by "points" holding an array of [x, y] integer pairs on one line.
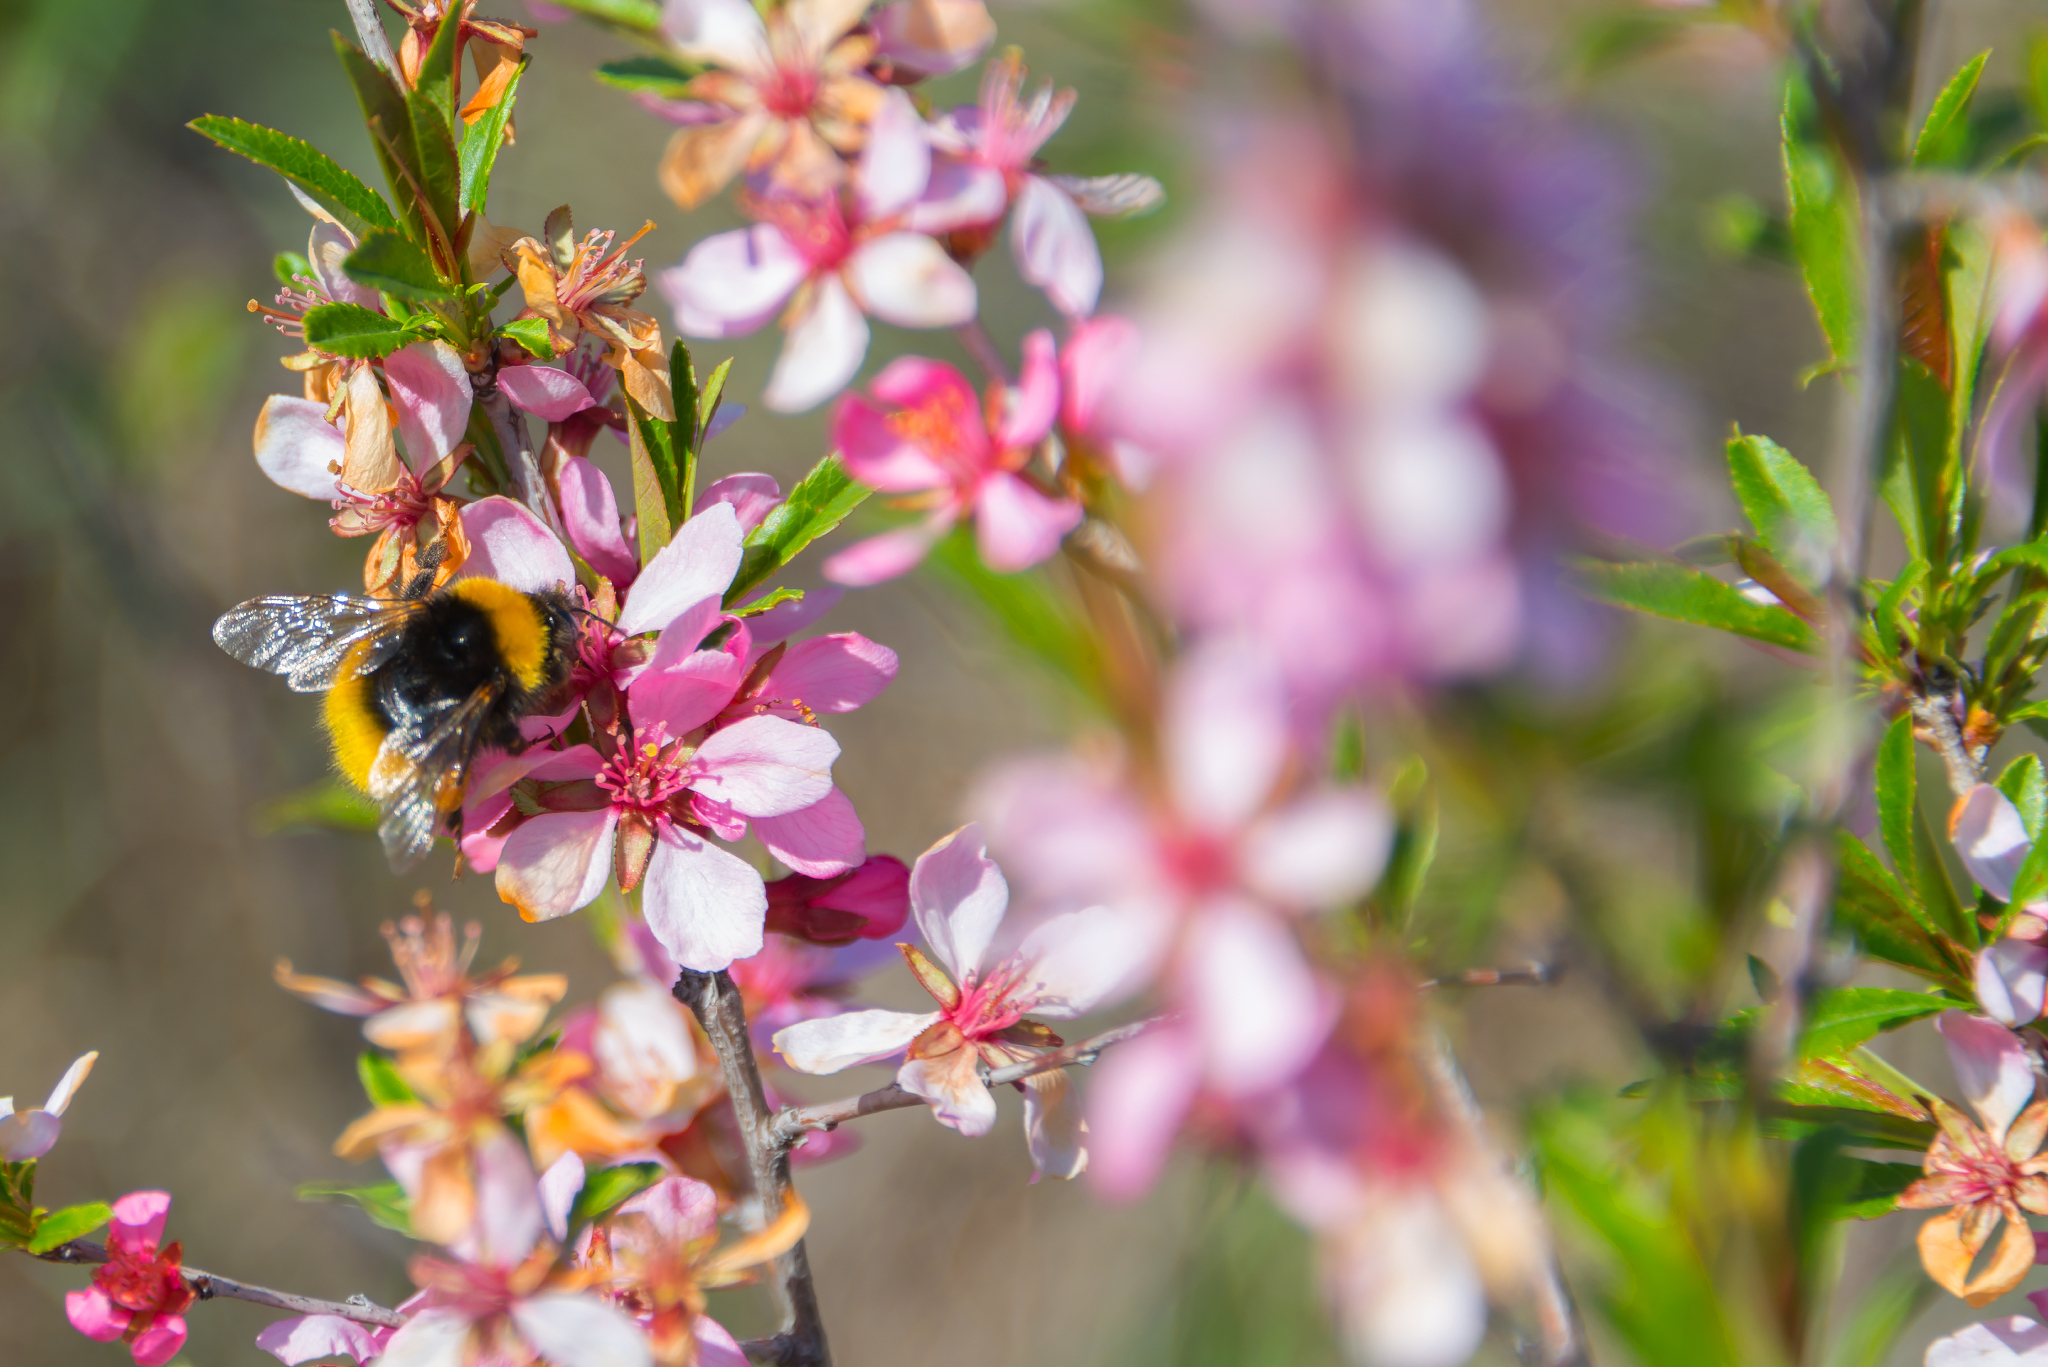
{"points": [[356, 726]]}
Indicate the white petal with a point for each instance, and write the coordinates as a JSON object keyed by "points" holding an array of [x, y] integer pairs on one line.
{"points": [[559, 1186], [1406, 1291], [707, 907], [1055, 248], [2012, 981], [1053, 1128], [574, 1330], [1226, 733], [326, 249], [958, 896], [1994, 1070], [907, 279], [1991, 838], [509, 1215], [732, 283], [1077, 960], [725, 33], [828, 1044], [557, 863], [953, 1089], [1320, 851], [296, 445], [896, 164], [1258, 1009], [697, 564], [642, 1046], [67, 1086], [2007, 1342], [766, 766], [432, 1338], [822, 352]]}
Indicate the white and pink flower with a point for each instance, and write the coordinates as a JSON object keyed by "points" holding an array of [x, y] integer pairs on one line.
{"points": [[32, 1133]]}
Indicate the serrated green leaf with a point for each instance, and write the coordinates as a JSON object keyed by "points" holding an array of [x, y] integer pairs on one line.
{"points": [[381, 1082], [656, 494], [1826, 226], [481, 143], [333, 804], [1784, 502], [1945, 132], [388, 262], [354, 331], [325, 181], [390, 125], [1889, 921], [1028, 612], [72, 1222], [1898, 797], [656, 76], [1847, 1016], [773, 598], [532, 334], [385, 1203], [1685, 594], [820, 502], [1886, 612], [608, 1188]]}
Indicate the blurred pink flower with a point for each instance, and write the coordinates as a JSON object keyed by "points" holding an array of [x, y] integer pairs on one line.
{"points": [[311, 1337], [920, 38], [928, 436], [2010, 1341], [502, 1312], [29, 1134], [139, 1294], [790, 981]]}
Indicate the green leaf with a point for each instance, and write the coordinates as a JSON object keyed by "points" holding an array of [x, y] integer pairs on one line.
{"points": [[1945, 134], [683, 432], [288, 267], [390, 124], [1886, 613], [635, 16], [1859, 1080], [608, 1188], [2024, 782], [773, 598], [1898, 797], [431, 105], [1028, 611], [332, 804], [1924, 446], [72, 1222], [533, 334], [385, 1203], [1784, 502], [381, 1080], [1826, 226], [1847, 1016], [325, 181], [820, 502], [481, 142], [1876, 1189], [388, 262], [1888, 920], [2030, 884], [657, 493], [1414, 849], [656, 76], [352, 330], [1685, 594]]}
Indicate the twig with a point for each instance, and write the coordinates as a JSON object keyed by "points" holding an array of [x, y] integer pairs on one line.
{"points": [[1534, 975], [1936, 716], [370, 29], [209, 1285], [520, 460], [976, 339], [715, 1001], [796, 1121]]}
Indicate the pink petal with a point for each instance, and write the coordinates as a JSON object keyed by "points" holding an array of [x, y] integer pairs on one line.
{"points": [[139, 1222], [1320, 851], [430, 388], [509, 1216], [950, 1085], [1991, 839], [1077, 960], [590, 514], [831, 1044], [958, 896], [831, 674], [694, 568], [732, 283], [1071, 824], [752, 497], [2012, 981], [1035, 401], [1257, 1009], [1016, 526], [1226, 733], [684, 687], [326, 249], [1991, 1065], [1053, 1128], [883, 557], [1138, 1096], [878, 455], [431, 1338], [2014, 1341], [296, 445], [28, 1134], [678, 1210], [896, 164], [642, 1045], [765, 766], [94, 1316], [907, 279], [962, 194], [716, 1347], [879, 890], [547, 392], [320, 1336], [933, 37], [824, 348], [1097, 354], [557, 862], [1055, 248], [706, 906], [576, 1329], [725, 33], [509, 544], [559, 1186], [159, 1343], [821, 840], [779, 623]]}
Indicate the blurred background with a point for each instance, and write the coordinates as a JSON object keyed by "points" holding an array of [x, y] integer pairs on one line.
{"points": [[146, 886]]}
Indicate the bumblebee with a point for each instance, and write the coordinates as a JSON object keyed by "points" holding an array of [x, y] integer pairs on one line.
{"points": [[416, 687]]}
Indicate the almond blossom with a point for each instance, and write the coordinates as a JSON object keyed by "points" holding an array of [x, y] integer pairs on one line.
{"points": [[139, 1294], [926, 434], [26, 1135], [931, 37], [2011, 975], [870, 903], [309, 1338], [989, 999], [2011, 1341]]}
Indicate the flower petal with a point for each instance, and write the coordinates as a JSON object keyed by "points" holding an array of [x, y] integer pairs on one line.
{"points": [[138, 1226], [68, 1085], [1035, 401], [548, 392], [159, 1343], [509, 1215], [752, 496], [896, 164], [706, 906], [831, 674], [821, 840], [1258, 1010], [678, 1211], [1991, 838], [726, 33], [875, 450], [1321, 850], [94, 1316], [1016, 526], [732, 283], [829, 1044], [574, 1329], [697, 565], [509, 544], [1992, 1067], [715, 1346], [1141, 1092], [296, 446], [28, 1134], [933, 37], [559, 1186], [1055, 248], [319, 1336], [958, 896], [1226, 733], [430, 388], [1097, 353], [882, 558], [329, 246], [1053, 1127], [2011, 1342], [590, 514], [1077, 960], [2012, 981], [431, 1338], [961, 194], [765, 766], [557, 862], [952, 1087], [823, 350], [907, 279], [643, 1046]]}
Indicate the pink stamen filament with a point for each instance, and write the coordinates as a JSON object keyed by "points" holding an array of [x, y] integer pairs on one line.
{"points": [[989, 1006], [644, 776]]}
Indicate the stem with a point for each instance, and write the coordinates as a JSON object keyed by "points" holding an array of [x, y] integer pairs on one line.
{"points": [[1531, 975], [524, 466], [1936, 715], [209, 1285], [976, 339], [370, 29], [715, 1001]]}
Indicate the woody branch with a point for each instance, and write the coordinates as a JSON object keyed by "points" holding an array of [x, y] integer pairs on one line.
{"points": [[211, 1285]]}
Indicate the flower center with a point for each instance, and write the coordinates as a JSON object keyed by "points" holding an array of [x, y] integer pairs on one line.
{"points": [[988, 1006], [403, 505], [944, 427], [643, 776], [790, 90]]}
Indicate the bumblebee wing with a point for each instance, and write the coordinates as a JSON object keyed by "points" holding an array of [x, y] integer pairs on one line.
{"points": [[419, 774], [305, 638]]}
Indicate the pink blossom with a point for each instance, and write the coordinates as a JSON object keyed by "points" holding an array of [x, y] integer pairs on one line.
{"points": [[30, 1134], [926, 434], [474, 1309], [836, 259], [311, 1337], [791, 981], [2010, 1341], [550, 393], [1098, 353], [1991, 840], [931, 37], [139, 1294], [870, 903]]}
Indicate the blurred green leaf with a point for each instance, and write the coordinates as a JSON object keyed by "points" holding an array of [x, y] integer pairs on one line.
{"points": [[1826, 225], [1739, 228], [2024, 782], [656, 76], [710, 396], [635, 16], [1898, 800], [381, 1081], [1616, 37], [820, 502], [390, 125], [1945, 133], [1685, 594], [608, 1188], [354, 331], [1028, 611], [482, 141], [1847, 1016], [387, 261], [1784, 502], [326, 182], [332, 804], [1877, 1187], [385, 1203], [683, 433], [1887, 919], [179, 361], [290, 267], [72, 1222], [532, 334], [1415, 835]]}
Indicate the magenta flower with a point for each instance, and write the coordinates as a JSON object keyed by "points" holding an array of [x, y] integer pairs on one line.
{"points": [[139, 1294], [870, 903], [31, 1134], [929, 437], [988, 997]]}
